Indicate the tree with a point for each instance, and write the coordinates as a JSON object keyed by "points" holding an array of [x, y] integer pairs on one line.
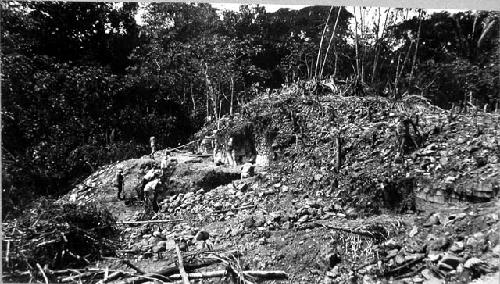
{"points": [[464, 56], [102, 33]]}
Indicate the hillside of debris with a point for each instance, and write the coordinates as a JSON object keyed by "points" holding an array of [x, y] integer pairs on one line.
{"points": [[318, 140], [334, 199]]}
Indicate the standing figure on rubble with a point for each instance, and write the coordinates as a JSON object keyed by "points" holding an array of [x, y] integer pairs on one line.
{"points": [[217, 147], [405, 140], [164, 164], [167, 169], [231, 151], [152, 142], [151, 191], [118, 183], [140, 189]]}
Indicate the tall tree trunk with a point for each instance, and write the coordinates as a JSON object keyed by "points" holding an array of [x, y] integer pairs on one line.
{"points": [[335, 63], [358, 69], [232, 97], [308, 69], [312, 67], [459, 35], [316, 66], [472, 45], [485, 31], [405, 60], [211, 93], [220, 109], [396, 77], [214, 106], [193, 99], [420, 15], [375, 57], [398, 74], [208, 104], [217, 110], [330, 42], [183, 94], [362, 24], [377, 42]]}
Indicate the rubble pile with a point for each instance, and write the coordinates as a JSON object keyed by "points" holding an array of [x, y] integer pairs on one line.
{"points": [[457, 156], [248, 204], [456, 245], [282, 208], [459, 243], [98, 186], [187, 176], [461, 164]]}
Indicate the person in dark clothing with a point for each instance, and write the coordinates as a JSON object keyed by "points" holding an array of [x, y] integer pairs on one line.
{"points": [[405, 139], [140, 192], [119, 183]]}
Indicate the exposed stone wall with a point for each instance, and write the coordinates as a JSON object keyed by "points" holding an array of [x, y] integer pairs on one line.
{"points": [[236, 142]]}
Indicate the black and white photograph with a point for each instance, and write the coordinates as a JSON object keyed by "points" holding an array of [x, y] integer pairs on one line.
{"points": [[178, 142]]}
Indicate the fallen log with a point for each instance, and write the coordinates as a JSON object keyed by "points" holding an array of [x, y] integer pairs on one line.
{"points": [[129, 264], [167, 272], [85, 273], [66, 271], [43, 273], [16, 273], [62, 272], [401, 269], [236, 275], [111, 277], [185, 277], [261, 275], [81, 275]]}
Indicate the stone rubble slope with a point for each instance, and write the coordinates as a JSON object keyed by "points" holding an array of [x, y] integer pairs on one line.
{"points": [[319, 225]]}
